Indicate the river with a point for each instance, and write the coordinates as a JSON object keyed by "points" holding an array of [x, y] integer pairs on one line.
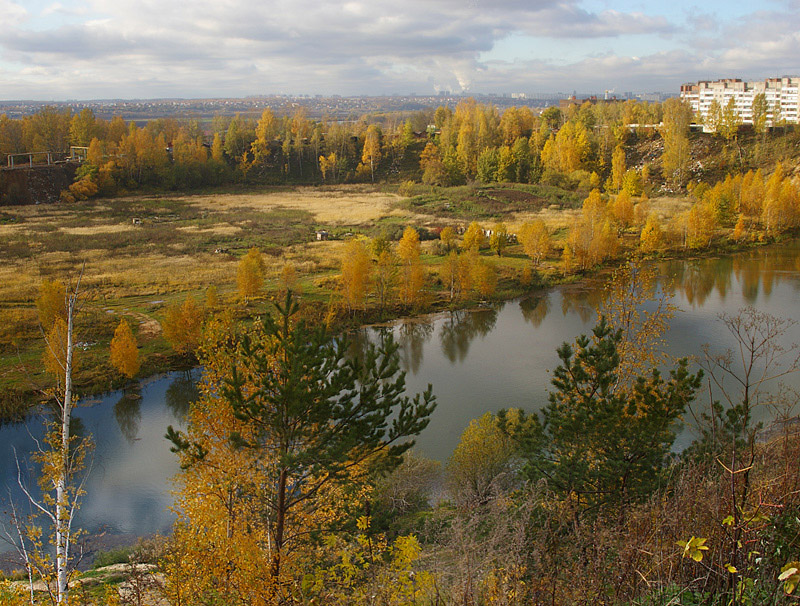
{"points": [[477, 361]]}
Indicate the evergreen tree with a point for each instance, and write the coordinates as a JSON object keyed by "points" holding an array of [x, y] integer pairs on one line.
{"points": [[312, 415], [598, 442]]}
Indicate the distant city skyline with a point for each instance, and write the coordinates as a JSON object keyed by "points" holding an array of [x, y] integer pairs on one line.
{"points": [[140, 49]]}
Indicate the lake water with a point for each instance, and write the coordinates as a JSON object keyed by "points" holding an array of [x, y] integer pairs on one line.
{"points": [[477, 361]]}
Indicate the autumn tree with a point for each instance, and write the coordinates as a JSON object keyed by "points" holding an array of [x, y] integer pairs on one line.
{"points": [[182, 326], [371, 154], [288, 280], [481, 464], [432, 166], [305, 417], [760, 109], [498, 241], [675, 133], [250, 274], [484, 274], [700, 224], [618, 168], [327, 166], [730, 120], [412, 275], [593, 238], [535, 240], [713, 117], [448, 238], [50, 303], [356, 266], [61, 457], [474, 237], [622, 209], [385, 276], [124, 352], [652, 236], [567, 150]]}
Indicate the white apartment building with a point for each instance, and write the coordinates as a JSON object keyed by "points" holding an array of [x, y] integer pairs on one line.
{"points": [[780, 91]]}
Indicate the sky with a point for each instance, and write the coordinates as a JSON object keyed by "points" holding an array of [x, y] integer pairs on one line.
{"points": [[138, 49]]}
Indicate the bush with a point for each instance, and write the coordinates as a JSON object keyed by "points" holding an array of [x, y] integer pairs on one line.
{"points": [[120, 555]]}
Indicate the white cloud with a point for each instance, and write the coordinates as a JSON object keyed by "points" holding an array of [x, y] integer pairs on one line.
{"points": [[13, 13], [237, 47]]}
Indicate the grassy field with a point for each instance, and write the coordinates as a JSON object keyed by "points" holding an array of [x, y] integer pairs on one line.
{"points": [[143, 253]]}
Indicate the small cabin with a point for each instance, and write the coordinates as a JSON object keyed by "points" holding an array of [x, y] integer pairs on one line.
{"points": [[322, 235]]}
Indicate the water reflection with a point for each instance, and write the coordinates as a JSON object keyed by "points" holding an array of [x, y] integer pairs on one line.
{"points": [[128, 413], [535, 309], [412, 336], [752, 273], [182, 392], [461, 328], [582, 301], [508, 366]]}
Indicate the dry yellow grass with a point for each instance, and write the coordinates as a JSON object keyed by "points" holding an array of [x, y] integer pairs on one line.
{"points": [[165, 271], [96, 229], [341, 205]]}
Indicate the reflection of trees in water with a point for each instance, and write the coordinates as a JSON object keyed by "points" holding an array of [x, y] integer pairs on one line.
{"points": [[128, 412], [534, 309], [582, 302], [412, 336], [757, 272], [723, 269], [461, 328], [182, 392], [698, 281]]}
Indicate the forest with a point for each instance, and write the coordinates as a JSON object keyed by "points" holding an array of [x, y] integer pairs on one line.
{"points": [[299, 483]]}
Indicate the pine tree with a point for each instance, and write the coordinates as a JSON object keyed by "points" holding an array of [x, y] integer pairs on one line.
{"points": [[304, 416]]}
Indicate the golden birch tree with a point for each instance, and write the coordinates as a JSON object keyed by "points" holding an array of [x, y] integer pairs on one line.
{"points": [[124, 352]]}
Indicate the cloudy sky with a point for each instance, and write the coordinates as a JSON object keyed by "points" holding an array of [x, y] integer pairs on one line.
{"points": [[91, 49]]}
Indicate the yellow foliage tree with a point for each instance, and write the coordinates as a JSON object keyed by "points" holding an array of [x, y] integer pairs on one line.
{"points": [[55, 353], [124, 352], [50, 304], [287, 280], [593, 239], [327, 166], [356, 265], [618, 168], [498, 241], [535, 240], [567, 150], [412, 274], [250, 274], [740, 230], [652, 236], [288, 429], [474, 237], [385, 281], [622, 210], [371, 154], [480, 464], [700, 224], [484, 276], [182, 326], [448, 238]]}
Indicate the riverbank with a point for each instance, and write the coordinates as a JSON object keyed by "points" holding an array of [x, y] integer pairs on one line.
{"points": [[183, 245]]}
